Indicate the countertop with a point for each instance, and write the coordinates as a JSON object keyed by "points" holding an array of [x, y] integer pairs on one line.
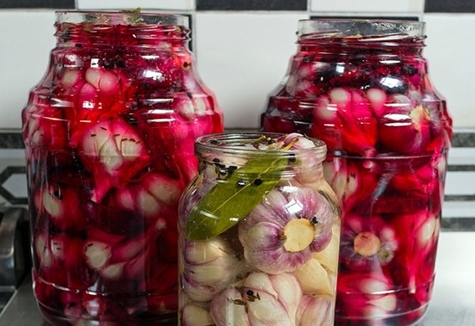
{"points": [[453, 302]]}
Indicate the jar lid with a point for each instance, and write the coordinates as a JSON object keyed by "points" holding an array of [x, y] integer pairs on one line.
{"points": [[133, 17], [366, 29]]}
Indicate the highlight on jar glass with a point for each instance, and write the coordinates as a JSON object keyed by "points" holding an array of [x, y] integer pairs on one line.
{"points": [[259, 231], [362, 86], [109, 134]]}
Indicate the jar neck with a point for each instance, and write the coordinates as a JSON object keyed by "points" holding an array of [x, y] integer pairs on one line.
{"points": [[120, 29], [230, 152]]}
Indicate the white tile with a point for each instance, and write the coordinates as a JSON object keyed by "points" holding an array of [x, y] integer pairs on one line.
{"points": [[457, 209], [462, 156], [25, 42], [367, 6], [242, 57], [131, 4], [450, 51], [460, 183]]}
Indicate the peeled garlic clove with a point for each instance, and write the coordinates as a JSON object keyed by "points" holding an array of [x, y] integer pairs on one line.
{"points": [[328, 257], [314, 279], [229, 308], [193, 315]]}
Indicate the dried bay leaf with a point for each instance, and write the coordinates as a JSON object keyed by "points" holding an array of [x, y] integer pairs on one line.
{"points": [[232, 199]]}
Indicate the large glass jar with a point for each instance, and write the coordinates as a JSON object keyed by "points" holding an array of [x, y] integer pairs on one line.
{"points": [[363, 87], [109, 134], [259, 233]]}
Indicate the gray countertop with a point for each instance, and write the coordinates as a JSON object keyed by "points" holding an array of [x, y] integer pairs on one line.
{"points": [[453, 302]]}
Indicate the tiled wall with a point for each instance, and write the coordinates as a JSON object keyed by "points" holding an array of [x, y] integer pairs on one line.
{"points": [[242, 49]]}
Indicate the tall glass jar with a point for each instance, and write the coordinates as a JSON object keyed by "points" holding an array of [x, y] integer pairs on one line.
{"points": [[109, 134], [363, 87], [259, 233]]}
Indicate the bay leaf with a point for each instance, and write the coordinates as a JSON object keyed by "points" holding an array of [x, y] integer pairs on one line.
{"points": [[233, 198]]}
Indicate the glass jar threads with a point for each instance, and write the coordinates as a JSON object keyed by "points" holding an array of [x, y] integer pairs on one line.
{"points": [[363, 87], [259, 233], [109, 134]]}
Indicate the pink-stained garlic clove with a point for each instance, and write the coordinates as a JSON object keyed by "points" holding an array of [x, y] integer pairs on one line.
{"points": [[367, 244], [112, 151], [164, 188], [87, 98], [367, 295], [377, 98], [71, 78], [62, 206], [97, 254], [411, 124], [103, 80]]}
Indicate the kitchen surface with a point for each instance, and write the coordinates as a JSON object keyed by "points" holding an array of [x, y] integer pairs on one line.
{"points": [[453, 300]]}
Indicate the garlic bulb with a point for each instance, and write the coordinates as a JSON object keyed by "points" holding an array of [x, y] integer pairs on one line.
{"points": [[280, 233]]}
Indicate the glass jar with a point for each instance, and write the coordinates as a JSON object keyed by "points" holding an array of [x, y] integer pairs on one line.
{"points": [[362, 87], [259, 233], [109, 134]]}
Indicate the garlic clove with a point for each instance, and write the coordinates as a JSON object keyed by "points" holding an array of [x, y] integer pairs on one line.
{"points": [[260, 282], [228, 308], [197, 292], [267, 310], [328, 257], [215, 273], [289, 292], [314, 279], [193, 315], [199, 252], [315, 310]]}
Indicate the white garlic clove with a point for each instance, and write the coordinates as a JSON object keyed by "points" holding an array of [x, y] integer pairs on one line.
{"points": [[314, 279], [229, 309], [315, 310], [194, 315]]}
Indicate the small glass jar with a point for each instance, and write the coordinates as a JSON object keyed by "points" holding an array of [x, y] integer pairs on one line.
{"points": [[362, 86], [109, 134], [259, 233]]}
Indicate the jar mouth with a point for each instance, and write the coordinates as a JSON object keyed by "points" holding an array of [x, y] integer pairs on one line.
{"points": [[241, 143], [354, 30], [120, 18]]}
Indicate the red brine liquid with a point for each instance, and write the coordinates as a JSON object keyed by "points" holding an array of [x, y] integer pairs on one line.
{"points": [[363, 88], [109, 134]]}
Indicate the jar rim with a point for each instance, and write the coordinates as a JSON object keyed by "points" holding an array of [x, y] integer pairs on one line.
{"points": [[233, 143], [377, 30], [114, 17]]}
